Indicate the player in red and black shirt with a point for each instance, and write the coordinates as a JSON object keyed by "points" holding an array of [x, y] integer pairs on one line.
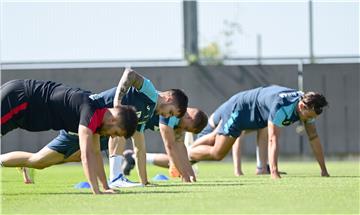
{"points": [[36, 105]]}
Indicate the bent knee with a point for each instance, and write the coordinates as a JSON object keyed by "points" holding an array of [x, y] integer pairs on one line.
{"points": [[37, 164], [218, 156]]}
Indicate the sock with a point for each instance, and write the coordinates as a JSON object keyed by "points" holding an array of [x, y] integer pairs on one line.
{"points": [[259, 165], [115, 162], [150, 157], [188, 139]]}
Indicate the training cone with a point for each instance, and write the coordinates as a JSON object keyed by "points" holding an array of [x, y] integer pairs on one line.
{"points": [[160, 177], [82, 185]]}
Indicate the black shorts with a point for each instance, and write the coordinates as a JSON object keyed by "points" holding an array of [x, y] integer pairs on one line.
{"points": [[14, 105]]}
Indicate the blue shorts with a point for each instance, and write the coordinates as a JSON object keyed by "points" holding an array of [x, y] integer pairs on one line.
{"points": [[67, 144], [207, 130], [233, 119]]}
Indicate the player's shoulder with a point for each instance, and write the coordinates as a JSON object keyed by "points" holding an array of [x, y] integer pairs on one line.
{"points": [[172, 122], [149, 90]]}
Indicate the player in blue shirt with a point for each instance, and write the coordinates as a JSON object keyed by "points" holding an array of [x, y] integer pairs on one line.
{"points": [[173, 130], [169, 103], [36, 105], [273, 107]]}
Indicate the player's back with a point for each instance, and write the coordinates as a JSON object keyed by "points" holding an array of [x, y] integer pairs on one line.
{"points": [[276, 98], [144, 101], [53, 105]]}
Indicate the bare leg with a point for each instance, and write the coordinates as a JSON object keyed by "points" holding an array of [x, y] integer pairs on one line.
{"points": [[158, 159], [44, 158], [204, 150], [75, 157]]}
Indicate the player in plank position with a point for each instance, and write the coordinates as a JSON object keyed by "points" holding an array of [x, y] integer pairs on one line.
{"points": [[273, 107], [36, 105], [172, 131]]}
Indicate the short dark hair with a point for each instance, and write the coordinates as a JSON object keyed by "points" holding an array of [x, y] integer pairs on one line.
{"points": [[128, 119], [315, 101], [200, 121], [181, 100]]}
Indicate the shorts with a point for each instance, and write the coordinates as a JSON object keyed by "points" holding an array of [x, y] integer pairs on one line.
{"points": [[13, 105], [67, 144]]}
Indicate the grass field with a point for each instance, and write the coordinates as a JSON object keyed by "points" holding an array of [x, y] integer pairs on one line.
{"points": [[217, 191]]}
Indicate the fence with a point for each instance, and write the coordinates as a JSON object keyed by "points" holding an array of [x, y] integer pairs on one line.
{"points": [[209, 86]]}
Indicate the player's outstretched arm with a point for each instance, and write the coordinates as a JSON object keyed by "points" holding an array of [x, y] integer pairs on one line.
{"points": [[100, 164], [128, 79], [236, 153], [314, 141], [88, 158], [183, 155], [273, 149], [140, 156], [175, 156]]}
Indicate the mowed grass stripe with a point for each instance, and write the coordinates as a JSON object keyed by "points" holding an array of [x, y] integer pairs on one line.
{"points": [[217, 191]]}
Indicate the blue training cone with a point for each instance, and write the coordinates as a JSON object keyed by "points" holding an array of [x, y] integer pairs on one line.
{"points": [[160, 177], [81, 185]]}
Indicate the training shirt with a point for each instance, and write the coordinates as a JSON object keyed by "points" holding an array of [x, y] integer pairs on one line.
{"points": [[144, 101], [252, 109], [153, 123], [52, 105]]}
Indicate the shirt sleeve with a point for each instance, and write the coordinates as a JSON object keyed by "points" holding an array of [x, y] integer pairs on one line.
{"points": [[171, 121], [277, 117], [92, 118], [149, 90], [310, 121], [141, 128]]}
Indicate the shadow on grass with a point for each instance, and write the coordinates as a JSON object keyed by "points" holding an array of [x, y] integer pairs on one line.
{"points": [[127, 192], [313, 176], [222, 184], [345, 176]]}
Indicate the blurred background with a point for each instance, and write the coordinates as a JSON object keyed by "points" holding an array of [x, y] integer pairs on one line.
{"points": [[211, 49]]}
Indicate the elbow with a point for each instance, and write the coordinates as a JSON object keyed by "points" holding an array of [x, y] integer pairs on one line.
{"points": [[85, 155], [169, 146], [137, 150], [84, 160], [130, 73]]}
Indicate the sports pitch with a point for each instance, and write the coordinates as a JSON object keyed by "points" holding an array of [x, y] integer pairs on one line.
{"points": [[217, 191]]}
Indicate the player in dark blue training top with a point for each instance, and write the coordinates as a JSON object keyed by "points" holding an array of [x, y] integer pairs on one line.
{"points": [[36, 105], [172, 131], [273, 107], [169, 103]]}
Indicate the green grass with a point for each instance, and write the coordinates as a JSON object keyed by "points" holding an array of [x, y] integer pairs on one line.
{"points": [[217, 191]]}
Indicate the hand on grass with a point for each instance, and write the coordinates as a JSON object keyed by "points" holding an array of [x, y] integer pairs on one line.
{"points": [[275, 175], [148, 184], [110, 191], [325, 174], [238, 173], [188, 179]]}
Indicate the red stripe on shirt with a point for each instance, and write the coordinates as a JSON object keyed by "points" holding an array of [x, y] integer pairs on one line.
{"points": [[13, 112], [96, 119]]}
